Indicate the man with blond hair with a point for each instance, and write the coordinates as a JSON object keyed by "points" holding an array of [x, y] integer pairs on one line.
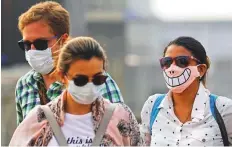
{"points": [[45, 28]]}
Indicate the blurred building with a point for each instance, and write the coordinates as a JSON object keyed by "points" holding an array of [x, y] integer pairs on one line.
{"points": [[135, 38]]}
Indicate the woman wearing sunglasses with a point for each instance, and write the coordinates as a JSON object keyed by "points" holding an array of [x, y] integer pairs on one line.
{"points": [[80, 109], [188, 114]]}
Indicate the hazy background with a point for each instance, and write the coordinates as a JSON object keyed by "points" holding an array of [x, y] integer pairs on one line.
{"points": [[134, 34]]}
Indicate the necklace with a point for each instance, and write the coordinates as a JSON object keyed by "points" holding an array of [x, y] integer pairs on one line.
{"points": [[189, 114], [187, 117]]}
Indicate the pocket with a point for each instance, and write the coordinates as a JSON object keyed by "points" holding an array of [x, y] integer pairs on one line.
{"points": [[206, 137]]}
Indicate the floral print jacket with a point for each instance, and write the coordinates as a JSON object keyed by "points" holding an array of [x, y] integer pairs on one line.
{"points": [[123, 129]]}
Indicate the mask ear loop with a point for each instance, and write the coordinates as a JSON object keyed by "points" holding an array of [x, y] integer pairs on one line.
{"points": [[55, 55], [65, 77], [104, 73], [200, 77], [55, 43]]}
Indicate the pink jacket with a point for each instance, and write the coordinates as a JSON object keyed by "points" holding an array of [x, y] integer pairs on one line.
{"points": [[123, 129]]}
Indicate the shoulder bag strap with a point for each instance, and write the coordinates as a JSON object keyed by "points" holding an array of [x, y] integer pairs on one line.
{"points": [[103, 124], [55, 126]]}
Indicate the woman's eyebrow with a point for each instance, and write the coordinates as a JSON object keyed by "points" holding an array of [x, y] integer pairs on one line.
{"points": [[77, 75], [99, 73]]}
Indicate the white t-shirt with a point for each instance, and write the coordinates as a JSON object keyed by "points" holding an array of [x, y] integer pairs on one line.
{"points": [[78, 130]]}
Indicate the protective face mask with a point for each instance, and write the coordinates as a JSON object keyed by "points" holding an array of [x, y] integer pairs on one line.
{"points": [[40, 60], [178, 79], [86, 94]]}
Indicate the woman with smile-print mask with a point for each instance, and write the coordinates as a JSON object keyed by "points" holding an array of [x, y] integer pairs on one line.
{"points": [[188, 115]]}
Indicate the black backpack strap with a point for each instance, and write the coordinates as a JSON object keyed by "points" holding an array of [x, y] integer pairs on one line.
{"points": [[219, 119]]}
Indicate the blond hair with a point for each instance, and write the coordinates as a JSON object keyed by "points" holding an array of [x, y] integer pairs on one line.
{"points": [[52, 13]]}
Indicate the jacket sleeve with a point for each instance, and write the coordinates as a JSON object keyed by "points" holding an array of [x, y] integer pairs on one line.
{"points": [[27, 129], [136, 138], [130, 130]]}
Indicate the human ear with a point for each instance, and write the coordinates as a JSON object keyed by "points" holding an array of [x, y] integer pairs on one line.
{"points": [[202, 68]]}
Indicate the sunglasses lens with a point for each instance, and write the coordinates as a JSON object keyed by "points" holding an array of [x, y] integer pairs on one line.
{"points": [[166, 62], [21, 45], [41, 44], [182, 61], [24, 45], [83, 80], [80, 80], [99, 80]]}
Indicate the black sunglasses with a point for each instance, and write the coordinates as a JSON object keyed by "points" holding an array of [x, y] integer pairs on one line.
{"points": [[181, 61], [40, 44], [82, 80]]}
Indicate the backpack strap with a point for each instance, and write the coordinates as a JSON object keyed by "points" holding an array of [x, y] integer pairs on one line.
{"points": [[155, 110], [213, 104], [217, 116]]}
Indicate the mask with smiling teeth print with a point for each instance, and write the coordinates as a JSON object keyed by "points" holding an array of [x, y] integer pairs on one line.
{"points": [[178, 79]]}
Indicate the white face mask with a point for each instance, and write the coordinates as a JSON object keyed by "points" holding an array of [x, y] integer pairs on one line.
{"points": [[86, 94], [40, 60]]}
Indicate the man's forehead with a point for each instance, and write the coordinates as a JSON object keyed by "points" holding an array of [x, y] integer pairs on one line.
{"points": [[36, 30]]}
